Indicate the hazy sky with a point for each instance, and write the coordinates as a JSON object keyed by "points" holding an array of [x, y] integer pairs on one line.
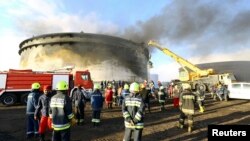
{"points": [[200, 31]]}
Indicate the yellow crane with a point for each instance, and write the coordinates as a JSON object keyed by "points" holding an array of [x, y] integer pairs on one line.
{"points": [[197, 77]]}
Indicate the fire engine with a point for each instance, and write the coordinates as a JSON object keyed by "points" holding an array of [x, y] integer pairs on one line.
{"points": [[15, 85]]}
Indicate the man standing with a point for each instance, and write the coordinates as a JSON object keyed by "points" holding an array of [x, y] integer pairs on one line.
{"points": [[162, 98], [187, 103], [32, 101], [145, 94], [78, 102], [133, 109], [61, 113], [43, 108], [96, 101]]}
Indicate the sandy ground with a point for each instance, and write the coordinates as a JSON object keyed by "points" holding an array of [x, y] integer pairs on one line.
{"points": [[159, 126]]}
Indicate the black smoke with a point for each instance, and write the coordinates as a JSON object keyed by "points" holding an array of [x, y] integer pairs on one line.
{"points": [[208, 25]]}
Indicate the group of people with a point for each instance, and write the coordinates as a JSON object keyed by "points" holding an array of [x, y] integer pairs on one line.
{"points": [[220, 91], [54, 112], [58, 112]]}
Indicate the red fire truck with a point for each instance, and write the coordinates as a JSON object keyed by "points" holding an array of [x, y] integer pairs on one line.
{"points": [[15, 85]]}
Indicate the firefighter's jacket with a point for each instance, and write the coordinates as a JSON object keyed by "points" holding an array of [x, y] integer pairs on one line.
{"points": [[61, 111], [78, 99], [200, 95], [187, 102], [162, 96], [43, 106], [133, 109], [145, 94], [32, 101], [96, 100]]}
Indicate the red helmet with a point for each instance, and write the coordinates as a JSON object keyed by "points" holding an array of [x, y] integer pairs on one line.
{"points": [[47, 87]]}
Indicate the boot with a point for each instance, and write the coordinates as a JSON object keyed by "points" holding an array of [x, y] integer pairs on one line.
{"points": [[180, 125], [202, 109], [189, 129], [94, 124], [42, 137]]}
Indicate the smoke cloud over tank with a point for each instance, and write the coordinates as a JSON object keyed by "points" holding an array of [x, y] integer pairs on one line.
{"points": [[106, 57]]}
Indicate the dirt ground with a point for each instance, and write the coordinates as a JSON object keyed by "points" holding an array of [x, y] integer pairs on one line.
{"points": [[159, 126]]}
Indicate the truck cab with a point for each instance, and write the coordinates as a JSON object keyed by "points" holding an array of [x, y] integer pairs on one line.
{"points": [[83, 78]]}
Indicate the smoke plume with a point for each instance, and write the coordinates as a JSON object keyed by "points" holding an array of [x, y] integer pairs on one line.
{"points": [[207, 26]]}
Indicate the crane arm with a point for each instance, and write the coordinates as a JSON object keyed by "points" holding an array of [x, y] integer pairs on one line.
{"points": [[183, 62]]}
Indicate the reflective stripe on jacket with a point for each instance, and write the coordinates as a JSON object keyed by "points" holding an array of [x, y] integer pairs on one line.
{"points": [[132, 109], [187, 100], [61, 111]]}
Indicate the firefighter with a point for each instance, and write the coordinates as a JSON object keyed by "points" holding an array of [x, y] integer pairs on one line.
{"points": [[109, 96], [61, 113], [78, 102], [145, 94], [43, 108], [133, 109], [96, 104], [187, 107], [32, 102], [125, 92], [200, 94], [162, 97]]}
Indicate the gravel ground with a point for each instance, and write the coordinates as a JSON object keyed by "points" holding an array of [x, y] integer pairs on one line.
{"points": [[159, 126]]}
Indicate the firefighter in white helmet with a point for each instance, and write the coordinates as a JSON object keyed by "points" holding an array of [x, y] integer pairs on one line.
{"points": [[133, 109], [162, 97]]}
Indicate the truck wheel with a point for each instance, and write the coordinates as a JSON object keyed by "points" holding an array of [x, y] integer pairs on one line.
{"points": [[201, 86], [9, 99], [24, 99]]}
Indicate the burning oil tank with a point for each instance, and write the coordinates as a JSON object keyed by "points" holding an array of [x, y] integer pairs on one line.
{"points": [[106, 57]]}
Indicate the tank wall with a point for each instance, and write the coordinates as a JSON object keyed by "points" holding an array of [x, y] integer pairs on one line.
{"points": [[107, 58]]}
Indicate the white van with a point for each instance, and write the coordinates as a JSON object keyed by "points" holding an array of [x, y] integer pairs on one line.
{"points": [[239, 90]]}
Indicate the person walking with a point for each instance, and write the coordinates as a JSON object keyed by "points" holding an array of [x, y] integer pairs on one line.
{"points": [[61, 113], [96, 101], [42, 111], [187, 107], [32, 102], [162, 98], [78, 102], [133, 109], [200, 94]]}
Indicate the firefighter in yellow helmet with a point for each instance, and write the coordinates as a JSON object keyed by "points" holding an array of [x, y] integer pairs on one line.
{"points": [[133, 109], [187, 106], [61, 113], [32, 102], [96, 101]]}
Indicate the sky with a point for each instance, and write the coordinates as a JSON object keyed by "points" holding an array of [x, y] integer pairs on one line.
{"points": [[200, 31]]}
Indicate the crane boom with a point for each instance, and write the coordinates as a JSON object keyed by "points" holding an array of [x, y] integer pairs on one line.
{"points": [[183, 62]]}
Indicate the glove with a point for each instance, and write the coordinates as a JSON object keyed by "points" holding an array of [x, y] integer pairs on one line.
{"points": [[73, 122], [131, 122], [135, 120]]}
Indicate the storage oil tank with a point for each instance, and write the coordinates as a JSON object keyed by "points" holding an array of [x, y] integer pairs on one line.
{"points": [[106, 57]]}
